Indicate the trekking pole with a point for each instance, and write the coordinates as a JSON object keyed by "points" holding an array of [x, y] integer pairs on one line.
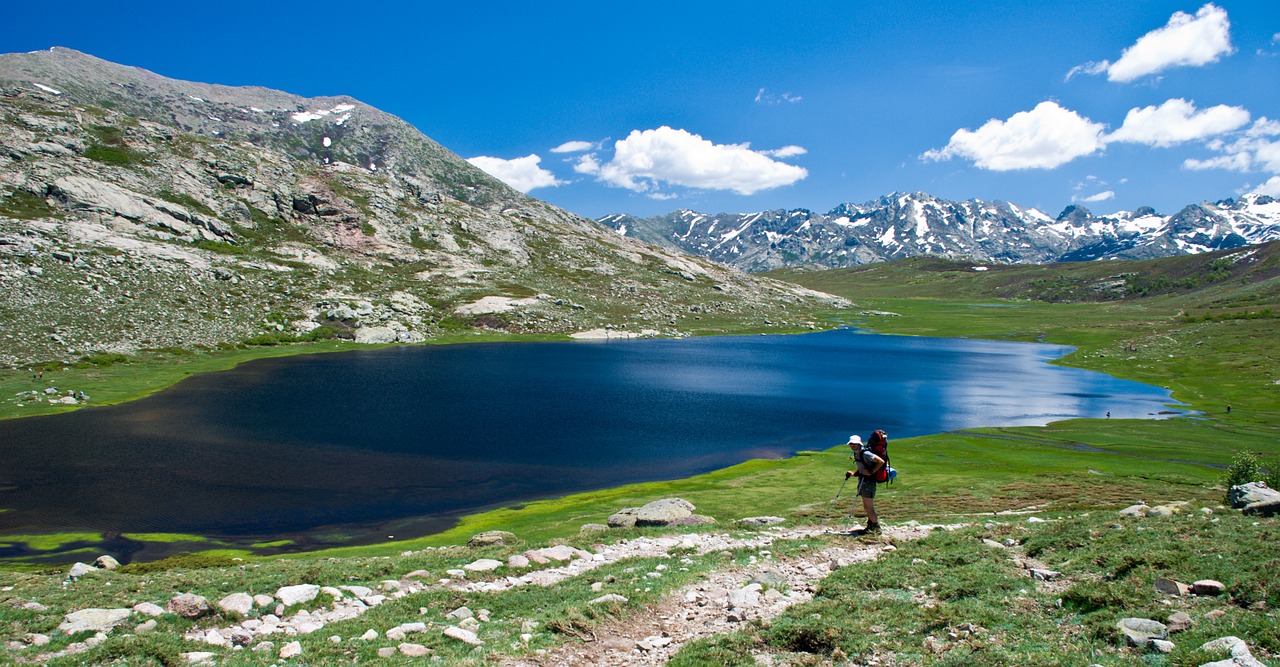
{"points": [[831, 506]]}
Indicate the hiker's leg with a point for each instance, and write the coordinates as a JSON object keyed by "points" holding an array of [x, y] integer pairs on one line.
{"points": [[869, 506]]}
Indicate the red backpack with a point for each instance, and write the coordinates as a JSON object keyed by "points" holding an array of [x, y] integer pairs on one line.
{"points": [[878, 444]]}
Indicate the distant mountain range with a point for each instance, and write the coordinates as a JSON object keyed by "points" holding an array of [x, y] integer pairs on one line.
{"points": [[907, 225]]}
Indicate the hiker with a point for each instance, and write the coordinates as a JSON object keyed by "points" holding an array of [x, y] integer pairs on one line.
{"points": [[872, 460]]}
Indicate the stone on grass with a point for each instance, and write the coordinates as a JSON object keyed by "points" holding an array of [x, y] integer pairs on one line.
{"points": [[459, 614], [518, 561], [694, 520], [1208, 587], [261, 600], [236, 603], [492, 538], [1179, 621], [264, 647], [369, 635], [761, 521], [611, 597], [1240, 654], [148, 609], [1244, 495], [624, 518], [107, 562], [414, 650], [37, 639], [98, 620], [663, 512], [1135, 510], [1166, 586], [291, 650], [769, 579], [588, 528], [1044, 575], [148, 625], [1164, 510], [1162, 646], [189, 605], [386, 651], [483, 565], [198, 657], [80, 569], [1140, 631], [464, 636], [291, 595]]}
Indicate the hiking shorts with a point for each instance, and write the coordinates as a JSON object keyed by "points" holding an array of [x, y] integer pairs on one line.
{"points": [[867, 487]]}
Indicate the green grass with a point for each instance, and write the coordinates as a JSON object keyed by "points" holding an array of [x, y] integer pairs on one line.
{"points": [[27, 206]]}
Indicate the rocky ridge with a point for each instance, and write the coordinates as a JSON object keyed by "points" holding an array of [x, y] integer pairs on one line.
{"points": [[139, 212], [904, 225]]}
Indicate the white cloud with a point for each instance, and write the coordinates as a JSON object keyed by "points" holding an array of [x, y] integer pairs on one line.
{"points": [[1233, 162], [1101, 196], [574, 147], [785, 151], [1185, 41], [1271, 187], [587, 164], [522, 173], [662, 196], [1043, 138], [765, 97], [665, 155], [1264, 127], [1177, 121]]}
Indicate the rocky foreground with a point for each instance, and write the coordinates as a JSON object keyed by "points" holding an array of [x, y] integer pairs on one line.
{"points": [[713, 584]]}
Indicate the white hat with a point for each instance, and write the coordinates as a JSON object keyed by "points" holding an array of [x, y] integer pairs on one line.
{"points": [[855, 440]]}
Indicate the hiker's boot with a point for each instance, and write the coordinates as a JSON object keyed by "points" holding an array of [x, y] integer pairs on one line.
{"points": [[872, 527]]}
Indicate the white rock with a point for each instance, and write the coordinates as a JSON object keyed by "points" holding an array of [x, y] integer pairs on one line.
{"points": [[148, 609], [198, 657], [369, 635], [358, 591], [464, 636], [611, 597], [291, 650], [483, 565], [93, 619], [236, 603], [80, 569], [414, 650], [459, 614], [291, 595], [261, 600]]}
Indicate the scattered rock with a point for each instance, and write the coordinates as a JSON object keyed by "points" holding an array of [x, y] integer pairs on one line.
{"points": [[1253, 493], [459, 614], [1044, 575], [1162, 646], [148, 625], [518, 561], [291, 595], [1135, 510], [611, 597], [189, 605], [414, 650], [198, 657], [237, 603], [107, 562], [261, 600], [492, 538], [588, 528], [369, 635], [291, 650], [148, 609], [483, 565], [769, 579], [663, 512], [98, 620], [80, 569], [1166, 586], [1240, 654], [1179, 621], [386, 652], [761, 521], [1208, 587], [624, 518], [1140, 631], [992, 543], [464, 636]]}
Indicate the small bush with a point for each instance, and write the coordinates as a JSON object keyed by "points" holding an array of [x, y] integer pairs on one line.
{"points": [[1245, 467], [188, 561], [114, 155]]}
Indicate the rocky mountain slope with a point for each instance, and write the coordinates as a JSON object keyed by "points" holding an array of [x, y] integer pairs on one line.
{"points": [[140, 212], [908, 225]]}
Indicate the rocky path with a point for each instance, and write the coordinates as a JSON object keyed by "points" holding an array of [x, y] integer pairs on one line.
{"points": [[722, 603]]}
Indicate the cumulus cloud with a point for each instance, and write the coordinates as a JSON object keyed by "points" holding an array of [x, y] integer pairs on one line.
{"points": [[785, 151], [1185, 41], [1177, 121], [1255, 149], [1043, 138], [1233, 162], [522, 173], [648, 158], [1101, 196], [1271, 187], [574, 147]]}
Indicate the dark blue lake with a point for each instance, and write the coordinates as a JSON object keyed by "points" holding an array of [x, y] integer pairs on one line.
{"points": [[405, 439]]}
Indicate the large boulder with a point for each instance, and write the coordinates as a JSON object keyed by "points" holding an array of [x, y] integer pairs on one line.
{"points": [[663, 512], [291, 595], [1140, 631], [189, 605], [492, 538], [624, 518], [1253, 493], [96, 620]]}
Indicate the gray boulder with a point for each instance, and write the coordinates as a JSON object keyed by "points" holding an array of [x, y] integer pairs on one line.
{"points": [[80, 569], [1167, 586], [107, 562], [1240, 654], [624, 518], [695, 520], [1140, 631], [1253, 493], [291, 595], [663, 512], [1208, 587], [237, 603], [189, 605], [96, 620], [492, 538]]}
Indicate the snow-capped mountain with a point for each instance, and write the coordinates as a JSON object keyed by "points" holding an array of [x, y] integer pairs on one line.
{"points": [[905, 225]]}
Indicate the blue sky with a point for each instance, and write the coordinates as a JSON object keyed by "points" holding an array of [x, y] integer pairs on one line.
{"points": [[743, 106]]}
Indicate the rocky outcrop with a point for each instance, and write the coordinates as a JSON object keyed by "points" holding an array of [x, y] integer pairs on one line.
{"points": [[1255, 498]]}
